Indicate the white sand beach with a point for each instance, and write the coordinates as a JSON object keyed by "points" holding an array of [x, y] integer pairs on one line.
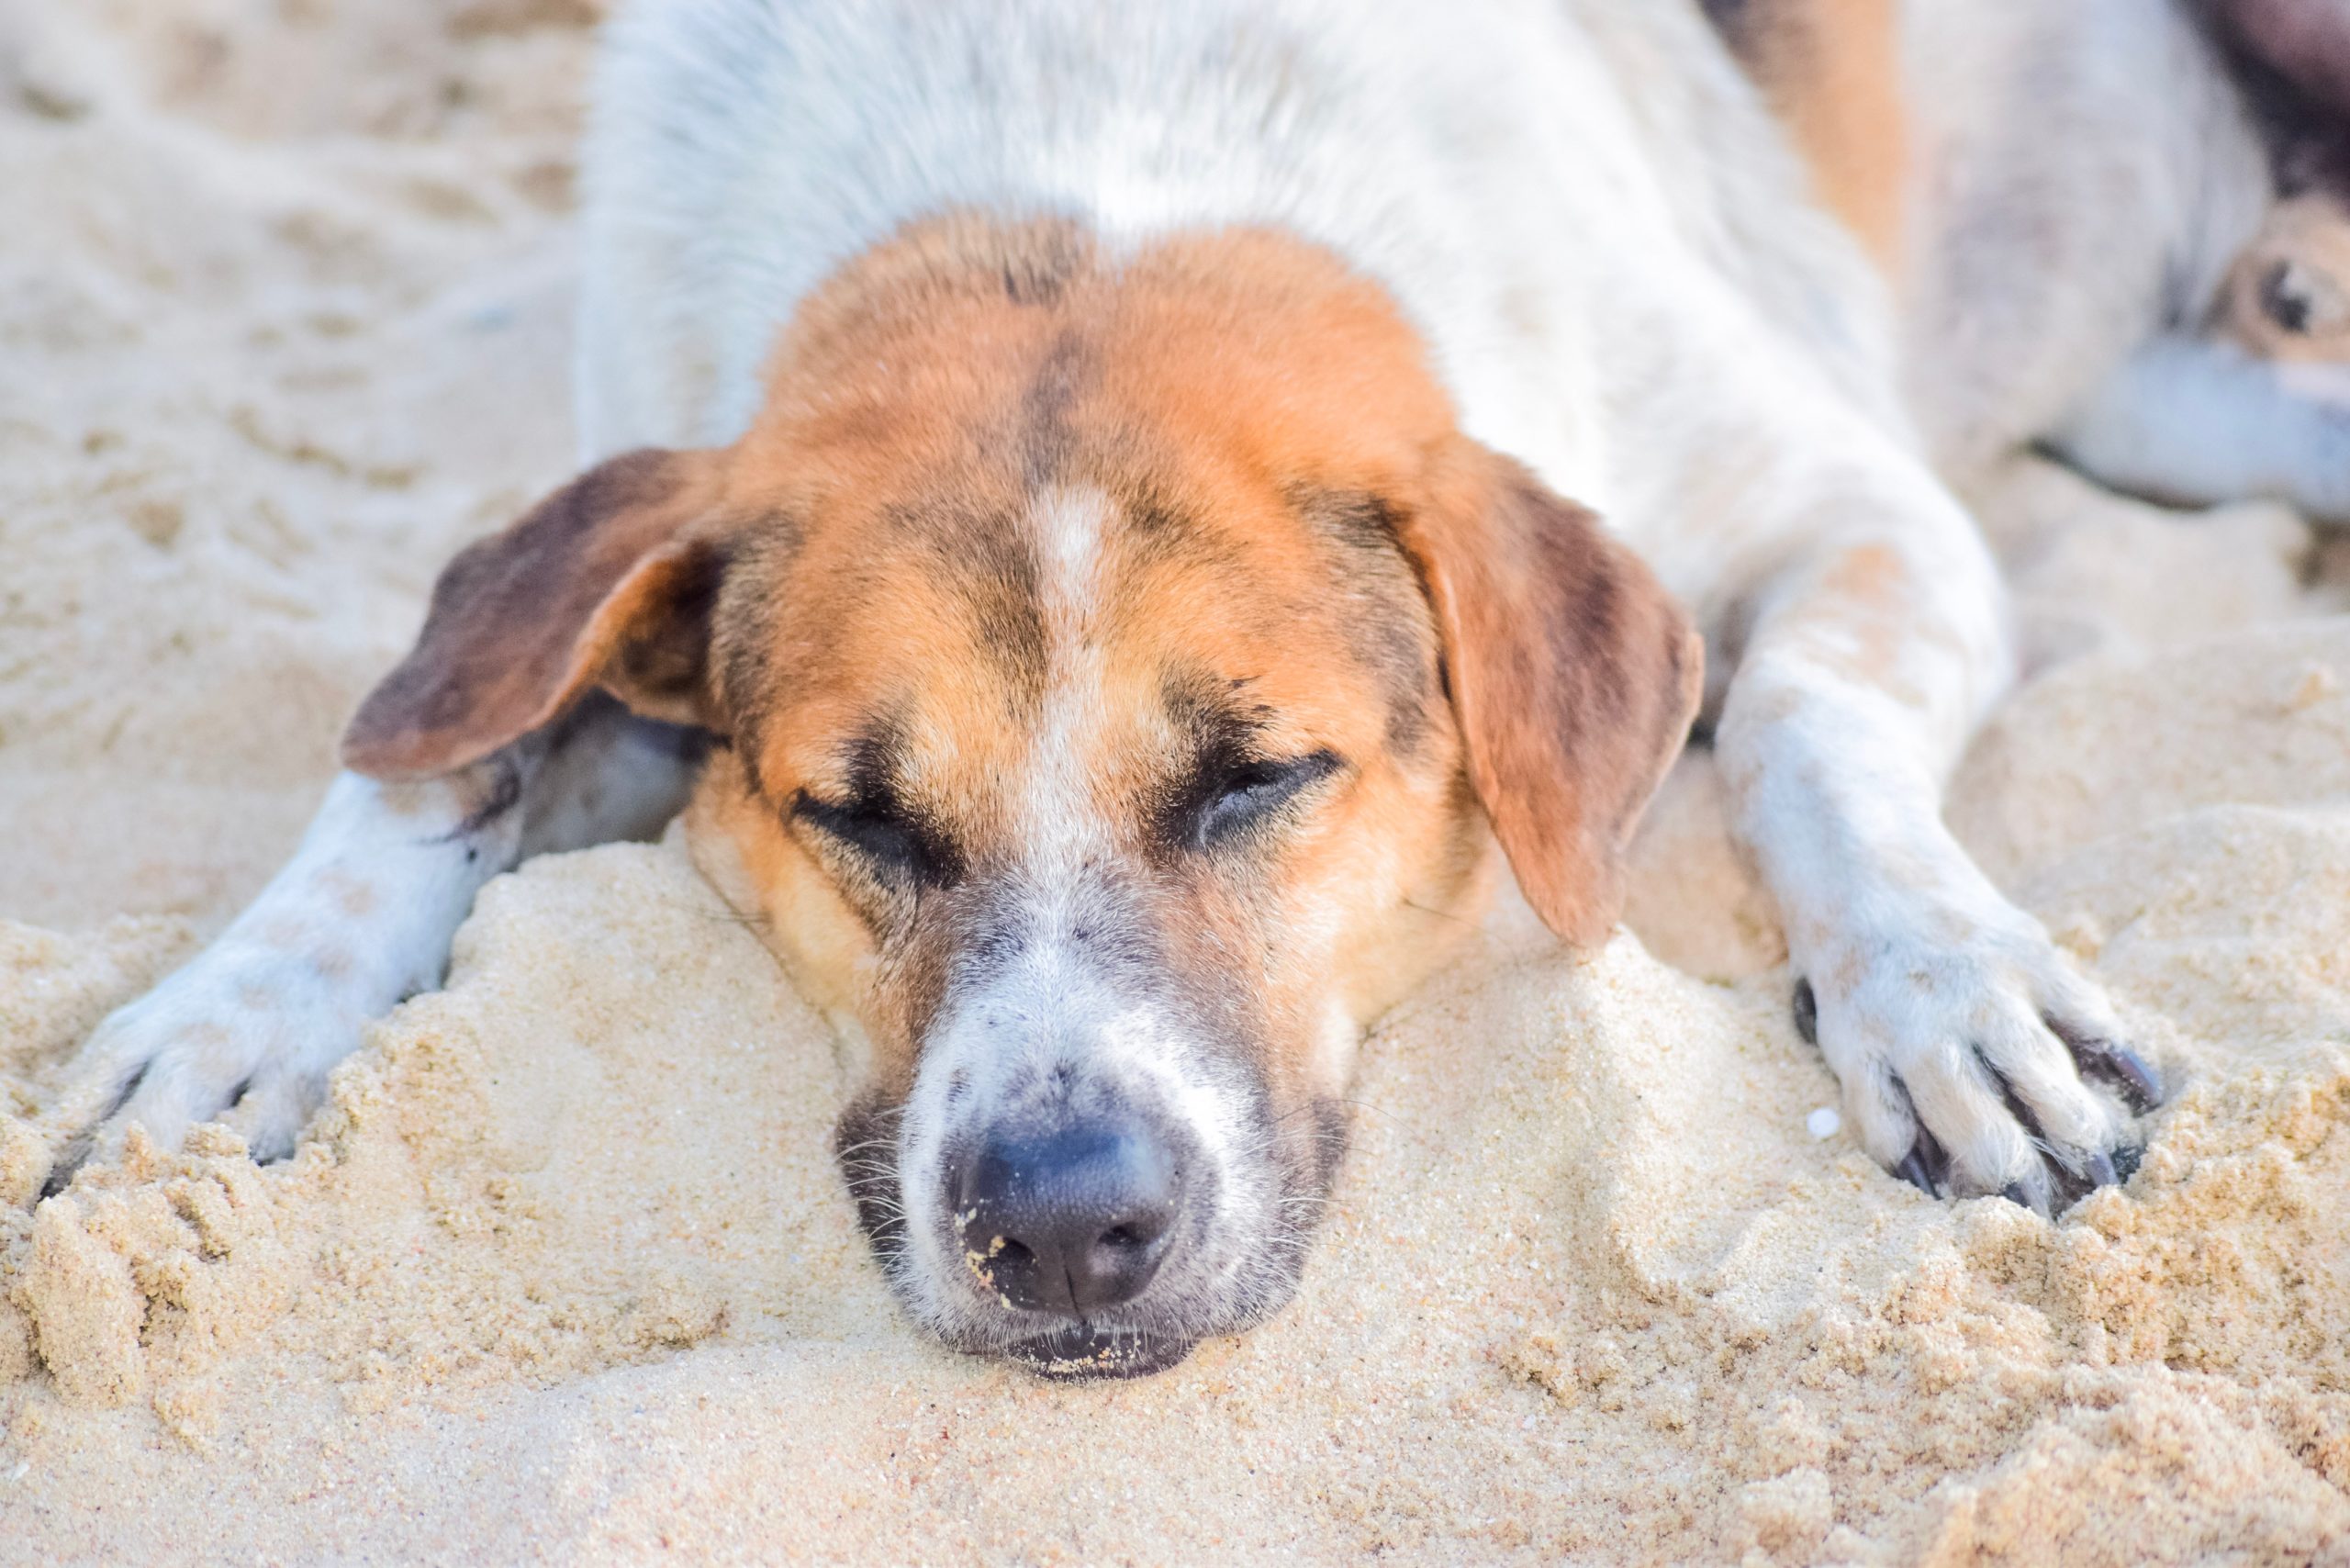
{"points": [[564, 1269]]}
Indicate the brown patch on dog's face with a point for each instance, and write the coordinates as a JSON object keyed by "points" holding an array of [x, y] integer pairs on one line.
{"points": [[1112, 655]]}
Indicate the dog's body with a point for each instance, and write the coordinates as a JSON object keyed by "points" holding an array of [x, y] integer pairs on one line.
{"points": [[1068, 368]]}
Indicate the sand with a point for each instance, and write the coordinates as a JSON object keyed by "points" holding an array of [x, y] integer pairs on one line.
{"points": [[564, 1271]]}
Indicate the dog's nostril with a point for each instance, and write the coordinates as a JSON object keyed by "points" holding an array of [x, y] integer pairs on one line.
{"points": [[1071, 1220]]}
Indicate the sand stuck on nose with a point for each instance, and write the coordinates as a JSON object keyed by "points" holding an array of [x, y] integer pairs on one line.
{"points": [[564, 1269]]}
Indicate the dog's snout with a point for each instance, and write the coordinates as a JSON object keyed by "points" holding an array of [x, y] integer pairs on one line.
{"points": [[1072, 1220]]}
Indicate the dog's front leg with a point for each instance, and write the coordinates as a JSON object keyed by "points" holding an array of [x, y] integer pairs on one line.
{"points": [[1961, 1035], [2192, 422], [361, 917]]}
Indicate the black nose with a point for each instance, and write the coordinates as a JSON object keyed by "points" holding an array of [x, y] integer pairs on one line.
{"points": [[1071, 1220]]}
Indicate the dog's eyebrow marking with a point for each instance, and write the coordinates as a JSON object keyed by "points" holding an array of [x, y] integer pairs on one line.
{"points": [[873, 766], [1208, 712]]}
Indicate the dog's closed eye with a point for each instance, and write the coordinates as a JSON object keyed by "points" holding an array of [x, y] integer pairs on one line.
{"points": [[894, 845], [1231, 797]]}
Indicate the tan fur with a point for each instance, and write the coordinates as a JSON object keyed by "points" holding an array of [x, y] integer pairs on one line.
{"points": [[1161, 419], [1830, 69]]}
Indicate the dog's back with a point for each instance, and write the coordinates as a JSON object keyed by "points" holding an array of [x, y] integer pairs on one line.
{"points": [[1501, 166]]}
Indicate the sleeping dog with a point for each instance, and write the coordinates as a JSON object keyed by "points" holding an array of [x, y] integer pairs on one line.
{"points": [[1115, 519]]}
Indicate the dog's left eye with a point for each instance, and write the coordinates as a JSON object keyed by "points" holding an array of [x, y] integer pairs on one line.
{"points": [[1239, 797]]}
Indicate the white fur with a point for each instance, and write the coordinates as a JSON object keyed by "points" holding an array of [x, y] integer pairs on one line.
{"points": [[2087, 177], [1063, 824], [1585, 210]]}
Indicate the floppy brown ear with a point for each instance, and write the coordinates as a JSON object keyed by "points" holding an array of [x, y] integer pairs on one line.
{"points": [[1574, 676], [604, 582]]}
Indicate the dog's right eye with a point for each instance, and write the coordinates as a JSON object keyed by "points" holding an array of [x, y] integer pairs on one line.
{"points": [[895, 846], [1240, 796]]}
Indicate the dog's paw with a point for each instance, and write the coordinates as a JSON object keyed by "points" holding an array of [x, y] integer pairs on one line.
{"points": [[1974, 1060], [246, 1033]]}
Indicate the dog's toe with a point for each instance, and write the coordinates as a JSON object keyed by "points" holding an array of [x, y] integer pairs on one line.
{"points": [[271, 1114]]}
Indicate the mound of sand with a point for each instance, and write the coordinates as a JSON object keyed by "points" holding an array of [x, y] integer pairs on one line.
{"points": [[564, 1268]]}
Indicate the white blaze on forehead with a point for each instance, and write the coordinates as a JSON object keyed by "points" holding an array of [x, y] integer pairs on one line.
{"points": [[1062, 822], [1068, 525]]}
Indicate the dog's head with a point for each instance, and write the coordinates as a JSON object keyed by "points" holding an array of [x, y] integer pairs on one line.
{"points": [[1114, 665]]}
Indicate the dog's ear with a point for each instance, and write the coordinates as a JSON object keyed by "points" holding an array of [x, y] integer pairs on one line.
{"points": [[607, 581], [1574, 676]]}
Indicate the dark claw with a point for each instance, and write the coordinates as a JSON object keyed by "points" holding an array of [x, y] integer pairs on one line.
{"points": [[2016, 1107], [2140, 1086], [2096, 1170], [1807, 1012], [1912, 1169], [70, 1158], [2015, 1193]]}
